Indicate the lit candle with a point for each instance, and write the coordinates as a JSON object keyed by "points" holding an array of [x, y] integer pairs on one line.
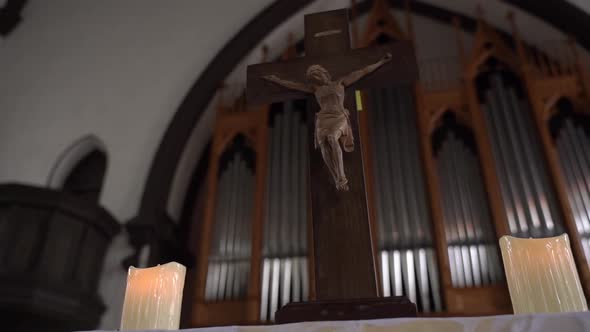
{"points": [[153, 298], [542, 275]]}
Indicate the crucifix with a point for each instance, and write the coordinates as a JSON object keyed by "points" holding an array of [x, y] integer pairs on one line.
{"points": [[329, 75]]}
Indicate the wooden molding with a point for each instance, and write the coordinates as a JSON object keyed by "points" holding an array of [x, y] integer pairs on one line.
{"points": [[434, 193]]}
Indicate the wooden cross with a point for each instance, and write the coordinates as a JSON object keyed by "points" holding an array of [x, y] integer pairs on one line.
{"points": [[342, 245]]}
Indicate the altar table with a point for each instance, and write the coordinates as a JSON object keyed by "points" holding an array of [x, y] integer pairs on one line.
{"points": [[562, 322]]}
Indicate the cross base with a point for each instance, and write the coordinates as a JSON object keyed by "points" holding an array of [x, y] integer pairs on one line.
{"points": [[361, 309]]}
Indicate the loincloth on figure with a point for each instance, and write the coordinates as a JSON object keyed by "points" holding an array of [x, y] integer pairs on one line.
{"points": [[335, 123]]}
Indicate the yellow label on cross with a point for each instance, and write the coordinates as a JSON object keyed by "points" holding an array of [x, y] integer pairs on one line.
{"points": [[359, 100]]}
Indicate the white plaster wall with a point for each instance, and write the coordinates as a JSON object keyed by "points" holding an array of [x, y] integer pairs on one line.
{"points": [[582, 4], [115, 69]]}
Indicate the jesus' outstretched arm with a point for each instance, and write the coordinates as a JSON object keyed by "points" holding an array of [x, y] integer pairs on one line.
{"points": [[288, 84], [358, 74]]}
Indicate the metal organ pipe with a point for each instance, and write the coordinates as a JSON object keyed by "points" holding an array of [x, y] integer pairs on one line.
{"points": [[246, 237], [398, 157], [467, 219], [239, 213], [517, 153], [531, 206], [284, 270], [471, 221], [572, 145], [228, 268], [383, 192], [408, 263], [285, 192], [213, 268], [577, 140], [511, 169], [486, 246], [223, 229], [546, 203]]}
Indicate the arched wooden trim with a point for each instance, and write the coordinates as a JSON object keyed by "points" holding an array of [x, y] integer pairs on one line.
{"points": [[436, 118], [488, 44], [434, 194], [550, 109], [435, 103], [477, 61], [70, 157], [224, 140], [382, 22], [231, 124]]}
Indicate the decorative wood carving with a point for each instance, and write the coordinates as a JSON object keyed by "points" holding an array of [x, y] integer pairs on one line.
{"points": [[382, 22]]}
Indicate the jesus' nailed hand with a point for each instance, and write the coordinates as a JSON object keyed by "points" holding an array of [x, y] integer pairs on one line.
{"points": [[332, 123]]}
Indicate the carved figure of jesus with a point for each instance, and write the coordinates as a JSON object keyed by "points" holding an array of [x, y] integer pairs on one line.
{"points": [[332, 122]]}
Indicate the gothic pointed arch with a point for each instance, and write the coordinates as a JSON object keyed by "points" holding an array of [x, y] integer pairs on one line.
{"points": [[81, 168], [381, 25], [489, 45]]}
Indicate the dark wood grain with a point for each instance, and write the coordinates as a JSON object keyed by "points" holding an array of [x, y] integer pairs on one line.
{"points": [[329, 21], [402, 69], [345, 267]]}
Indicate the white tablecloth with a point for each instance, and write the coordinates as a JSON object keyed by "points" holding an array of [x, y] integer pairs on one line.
{"points": [[564, 322]]}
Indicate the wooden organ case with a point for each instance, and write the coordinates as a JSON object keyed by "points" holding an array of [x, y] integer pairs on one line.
{"points": [[495, 143]]}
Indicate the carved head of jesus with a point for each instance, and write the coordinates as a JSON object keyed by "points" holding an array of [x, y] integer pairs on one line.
{"points": [[317, 74]]}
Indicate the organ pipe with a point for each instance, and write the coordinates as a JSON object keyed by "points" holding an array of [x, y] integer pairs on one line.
{"points": [[408, 263], [284, 270], [529, 200], [229, 257], [471, 238], [573, 148]]}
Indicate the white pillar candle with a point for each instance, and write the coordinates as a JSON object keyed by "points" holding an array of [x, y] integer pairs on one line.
{"points": [[542, 275], [153, 298]]}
